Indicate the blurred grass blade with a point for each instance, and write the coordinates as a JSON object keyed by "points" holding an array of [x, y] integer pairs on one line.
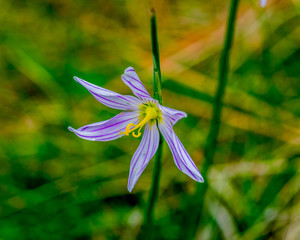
{"points": [[34, 71], [211, 141]]}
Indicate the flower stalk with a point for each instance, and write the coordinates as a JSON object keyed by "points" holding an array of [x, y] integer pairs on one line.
{"points": [[156, 63], [157, 94]]}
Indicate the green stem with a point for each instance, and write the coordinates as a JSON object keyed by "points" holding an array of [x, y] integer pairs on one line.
{"points": [[157, 94], [153, 194], [211, 141], [156, 63]]}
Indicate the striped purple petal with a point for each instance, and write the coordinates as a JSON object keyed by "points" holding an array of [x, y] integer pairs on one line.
{"points": [[107, 130], [172, 115], [182, 159], [131, 79], [110, 98], [143, 154]]}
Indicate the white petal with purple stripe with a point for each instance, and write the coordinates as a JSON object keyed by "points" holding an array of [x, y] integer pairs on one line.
{"points": [[107, 130], [143, 154], [171, 114], [182, 159], [131, 79], [110, 98]]}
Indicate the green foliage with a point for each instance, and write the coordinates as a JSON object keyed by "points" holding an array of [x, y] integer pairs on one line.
{"points": [[54, 185]]}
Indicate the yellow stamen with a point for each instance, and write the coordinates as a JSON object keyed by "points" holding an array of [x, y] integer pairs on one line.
{"points": [[151, 113]]}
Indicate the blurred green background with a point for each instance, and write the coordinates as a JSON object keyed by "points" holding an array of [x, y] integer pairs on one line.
{"points": [[54, 185]]}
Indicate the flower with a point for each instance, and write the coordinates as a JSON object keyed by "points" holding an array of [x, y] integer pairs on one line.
{"points": [[138, 112], [263, 3]]}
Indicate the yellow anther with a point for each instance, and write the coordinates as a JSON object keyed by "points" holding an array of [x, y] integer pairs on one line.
{"points": [[136, 135], [151, 113], [127, 130], [128, 127]]}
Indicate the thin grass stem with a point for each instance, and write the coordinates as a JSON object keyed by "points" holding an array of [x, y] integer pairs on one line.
{"points": [[157, 94]]}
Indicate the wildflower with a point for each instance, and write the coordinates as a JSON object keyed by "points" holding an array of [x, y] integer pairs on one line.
{"points": [[143, 111]]}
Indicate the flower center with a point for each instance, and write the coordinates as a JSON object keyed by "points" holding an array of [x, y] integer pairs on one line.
{"points": [[148, 113]]}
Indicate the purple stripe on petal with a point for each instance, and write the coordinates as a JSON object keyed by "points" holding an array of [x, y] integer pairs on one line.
{"points": [[113, 104], [91, 126], [172, 119], [94, 137], [175, 138], [139, 151], [132, 86], [131, 99], [146, 155], [172, 114], [82, 82], [107, 130], [155, 138], [182, 159], [110, 98], [140, 96], [178, 158], [129, 69], [134, 79], [106, 98], [143, 154], [109, 126], [131, 79], [171, 145], [185, 163], [186, 153], [135, 89]]}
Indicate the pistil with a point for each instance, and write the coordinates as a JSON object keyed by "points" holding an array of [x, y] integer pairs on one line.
{"points": [[151, 113]]}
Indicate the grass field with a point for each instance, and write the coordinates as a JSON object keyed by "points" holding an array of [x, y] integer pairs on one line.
{"points": [[54, 185]]}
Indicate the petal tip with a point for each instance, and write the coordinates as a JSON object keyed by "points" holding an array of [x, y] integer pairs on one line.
{"points": [[201, 179], [71, 129], [129, 188], [198, 176], [77, 79], [129, 69]]}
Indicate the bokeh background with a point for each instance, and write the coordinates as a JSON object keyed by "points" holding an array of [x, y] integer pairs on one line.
{"points": [[54, 185]]}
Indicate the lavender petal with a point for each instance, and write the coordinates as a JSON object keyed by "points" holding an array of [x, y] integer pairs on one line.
{"points": [[182, 159], [143, 154], [107, 130], [110, 98], [171, 114], [131, 79]]}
